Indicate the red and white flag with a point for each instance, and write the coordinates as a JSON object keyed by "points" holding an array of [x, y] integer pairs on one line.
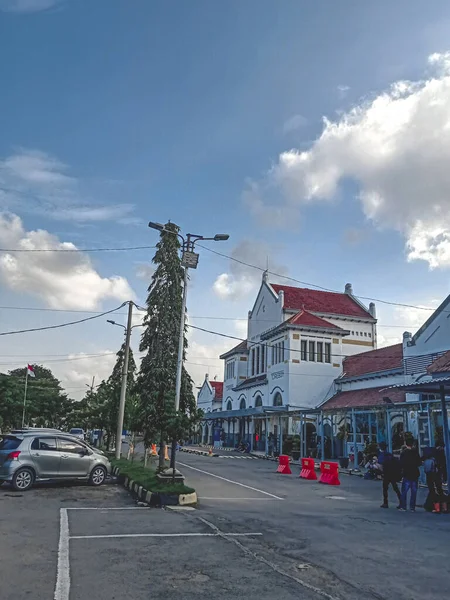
{"points": [[30, 371]]}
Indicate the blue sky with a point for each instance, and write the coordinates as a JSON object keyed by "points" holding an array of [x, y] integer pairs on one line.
{"points": [[115, 112]]}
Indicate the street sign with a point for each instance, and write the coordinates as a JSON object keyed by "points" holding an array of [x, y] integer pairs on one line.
{"points": [[190, 260]]}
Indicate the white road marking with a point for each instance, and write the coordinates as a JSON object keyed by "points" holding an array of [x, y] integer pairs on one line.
{"points": [[107, 508], [209, 498], [230, 481], [336, 497], [62, 588], [158, 535]]}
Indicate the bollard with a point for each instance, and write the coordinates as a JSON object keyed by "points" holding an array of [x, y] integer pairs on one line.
{"points": [[308, 471], [154, 452], [329, 473], [283, 465]]}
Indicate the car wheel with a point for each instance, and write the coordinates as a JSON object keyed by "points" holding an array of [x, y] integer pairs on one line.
{"points": [[98, 476], [22, 480]]}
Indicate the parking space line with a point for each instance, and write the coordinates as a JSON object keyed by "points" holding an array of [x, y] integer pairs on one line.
{"points": [[107, 508], [157, 535], [230, 481], [264, 499], [62, 587]]}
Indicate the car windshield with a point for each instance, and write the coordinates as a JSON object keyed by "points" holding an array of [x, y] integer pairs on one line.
{"points": [[9, 443]]}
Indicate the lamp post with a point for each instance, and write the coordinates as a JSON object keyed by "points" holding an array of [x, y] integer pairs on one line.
{"points": [[189, 260], [123, 389]]}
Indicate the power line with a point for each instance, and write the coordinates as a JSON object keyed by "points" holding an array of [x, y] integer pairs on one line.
{"points": [[74, 250], [314, 284], [62, 324]]}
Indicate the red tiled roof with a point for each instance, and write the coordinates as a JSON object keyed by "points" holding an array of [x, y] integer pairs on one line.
{"points": [[218, 386], [308, 319], [441, 364], [331, 303], [364, 397], [382, 359], [239, 349]]}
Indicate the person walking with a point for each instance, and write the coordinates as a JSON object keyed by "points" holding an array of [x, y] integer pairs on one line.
{"points": [[391, 474], [433, 484], [410, 463]]}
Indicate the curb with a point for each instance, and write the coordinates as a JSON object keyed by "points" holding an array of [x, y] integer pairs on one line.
{"points": [[154, 499], [199, 452]]}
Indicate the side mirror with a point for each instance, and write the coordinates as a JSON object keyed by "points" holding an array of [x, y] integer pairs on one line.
{"points": [[83, 452]]}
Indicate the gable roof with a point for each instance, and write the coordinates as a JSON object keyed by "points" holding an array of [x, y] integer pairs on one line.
{"points": [[363, 398], [218, 387], [441, 364], [332, 303], [304, 317], [383, 359], [241, 348], [430, 319]]}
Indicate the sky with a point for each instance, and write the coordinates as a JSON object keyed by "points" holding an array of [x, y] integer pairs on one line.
{"points": [[317, 135]]}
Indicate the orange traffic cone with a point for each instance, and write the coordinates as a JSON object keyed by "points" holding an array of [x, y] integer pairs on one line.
{"points": [[166, 452], [154, 452]]}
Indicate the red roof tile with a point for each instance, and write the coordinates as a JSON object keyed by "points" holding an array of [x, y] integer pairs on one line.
{"points": [[331, 303], [441, 364], [373, 361], [218, 386], [308, 319], [363, 398]]}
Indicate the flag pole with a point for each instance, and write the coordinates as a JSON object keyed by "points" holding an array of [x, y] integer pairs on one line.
{"points": [[25, 399]]}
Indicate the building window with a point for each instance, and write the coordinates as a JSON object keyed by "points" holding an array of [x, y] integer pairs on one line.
{"points": [[229, 371], [282, 352], [369, 334], [229, 405], [275, 362], [263, 357], [327, 353], [253, 361], [273, 355], [319, 351], [303, 350], [242, 404], [353, 333], [258, 401], [257, 359], [278, 400], [312, 351]]}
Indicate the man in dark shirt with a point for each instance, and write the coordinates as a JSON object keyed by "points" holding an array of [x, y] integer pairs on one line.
{"points": [[410, 463], [391, 474]]}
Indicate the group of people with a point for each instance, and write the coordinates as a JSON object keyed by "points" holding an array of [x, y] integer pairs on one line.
{"points": [[407, 470]]}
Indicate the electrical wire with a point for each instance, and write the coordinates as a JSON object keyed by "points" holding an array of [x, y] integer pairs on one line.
{"points": [[62, 324], [241, 262], [125, 248]]}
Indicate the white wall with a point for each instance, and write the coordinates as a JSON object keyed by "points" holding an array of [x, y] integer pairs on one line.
{"points": [[206, 400], [386, 381], [267, 313], [435, 339]]}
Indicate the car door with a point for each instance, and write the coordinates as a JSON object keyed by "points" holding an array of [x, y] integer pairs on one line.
{"points": [[45, 456], [75, 458]]}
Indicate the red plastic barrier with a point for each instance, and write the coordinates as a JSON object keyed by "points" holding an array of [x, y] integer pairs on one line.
{"points": [[329, 473], [283, 465], [308, 471]]}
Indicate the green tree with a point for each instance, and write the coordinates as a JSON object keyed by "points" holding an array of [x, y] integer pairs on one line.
{"points": [[156, 380]]}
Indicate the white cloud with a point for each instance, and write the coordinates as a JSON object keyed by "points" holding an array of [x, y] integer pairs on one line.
{"points": [[396, 147], [27, 6], [61, 279], [294, 123], [145, 271], [240, 281], [36, 182], [394, 320]]}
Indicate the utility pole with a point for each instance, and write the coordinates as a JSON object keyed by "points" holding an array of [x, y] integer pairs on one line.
{"points": [[189, 260], [123, 389]]}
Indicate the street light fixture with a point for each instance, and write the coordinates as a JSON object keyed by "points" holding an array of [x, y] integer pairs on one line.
{"points": [[189, 259]]}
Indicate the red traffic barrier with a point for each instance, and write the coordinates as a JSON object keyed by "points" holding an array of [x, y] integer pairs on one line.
{"points": [[283, 465], [308, 471], [329, 473]]}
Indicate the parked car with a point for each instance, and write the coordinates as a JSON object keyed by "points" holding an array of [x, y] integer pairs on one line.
{"points": [[43, 455], [77, 432]]}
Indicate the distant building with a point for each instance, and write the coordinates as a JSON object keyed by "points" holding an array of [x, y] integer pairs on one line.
{"points": [[209, 397]]}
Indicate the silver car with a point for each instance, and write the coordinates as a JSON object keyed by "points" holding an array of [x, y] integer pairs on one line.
{"points": [[27, 456]]}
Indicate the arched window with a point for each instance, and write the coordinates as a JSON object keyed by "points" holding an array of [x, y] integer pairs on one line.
{"points": [[242, 404], [278, 400], [258, 401], [229, 405]]}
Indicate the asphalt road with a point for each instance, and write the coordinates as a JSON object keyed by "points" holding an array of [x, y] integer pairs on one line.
{"points": [[255, 534]]}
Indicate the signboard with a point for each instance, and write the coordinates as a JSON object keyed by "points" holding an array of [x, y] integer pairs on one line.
{"points": [[190, 260]]}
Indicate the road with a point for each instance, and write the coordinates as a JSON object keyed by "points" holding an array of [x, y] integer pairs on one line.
{"points": [[255, 534]]}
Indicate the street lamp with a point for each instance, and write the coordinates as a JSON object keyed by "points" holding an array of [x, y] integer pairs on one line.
{"points": [[189, 260]]}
